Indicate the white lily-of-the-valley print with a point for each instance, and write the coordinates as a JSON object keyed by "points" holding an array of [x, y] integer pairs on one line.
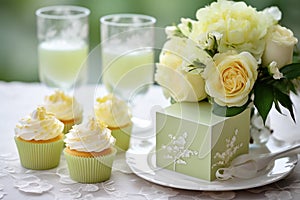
{"points": [[177, 150]]}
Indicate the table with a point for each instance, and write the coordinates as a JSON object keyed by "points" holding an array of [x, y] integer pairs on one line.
{"points": [[19, 99]]}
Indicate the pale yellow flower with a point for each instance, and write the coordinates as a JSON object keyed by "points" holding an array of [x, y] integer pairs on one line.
{"points": [[181, 53], [172, 53], [279, 47], [230, 80], [242, 27], [180, 85], [175, 60]]}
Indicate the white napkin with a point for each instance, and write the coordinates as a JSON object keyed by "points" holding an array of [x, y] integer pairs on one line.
{"points": [[248, 166]]}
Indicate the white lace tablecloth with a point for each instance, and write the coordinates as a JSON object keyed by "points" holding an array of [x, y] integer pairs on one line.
{"points": [[18, 99]]}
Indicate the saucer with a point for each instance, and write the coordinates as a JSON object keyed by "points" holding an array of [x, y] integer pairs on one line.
{"points": [[141, 159]]}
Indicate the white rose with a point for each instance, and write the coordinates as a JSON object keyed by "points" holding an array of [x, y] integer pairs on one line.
{"points": [[180, 85], [279, 46], [181, 53], [172, 53], [170, 59], [173, 71], [230, 80]]}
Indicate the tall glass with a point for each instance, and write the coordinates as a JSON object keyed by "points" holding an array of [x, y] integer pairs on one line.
{"points": [[127, 53], [63, 45]]}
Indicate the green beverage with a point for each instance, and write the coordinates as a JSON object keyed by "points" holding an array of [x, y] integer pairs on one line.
{"points": [[128, 74], [62, 63]]}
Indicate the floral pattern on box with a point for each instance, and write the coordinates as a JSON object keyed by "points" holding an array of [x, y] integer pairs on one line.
{"points": [[178, 150], [229, 153]]}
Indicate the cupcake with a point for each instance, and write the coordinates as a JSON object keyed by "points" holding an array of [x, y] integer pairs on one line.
{"points": [[39, 139], [65, 108], [89, 152], [116, 114]]}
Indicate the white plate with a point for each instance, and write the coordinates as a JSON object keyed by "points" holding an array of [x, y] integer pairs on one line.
{"points": [[141, 160]]}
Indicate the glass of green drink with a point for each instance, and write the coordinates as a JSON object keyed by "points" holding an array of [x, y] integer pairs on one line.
{"points": [[127, 45], [63, 45], [127, 42]]}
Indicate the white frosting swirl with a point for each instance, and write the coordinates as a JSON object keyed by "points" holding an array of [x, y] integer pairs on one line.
{"points": [[39, 125], [112, 111], [89, 137], [63, 106]]}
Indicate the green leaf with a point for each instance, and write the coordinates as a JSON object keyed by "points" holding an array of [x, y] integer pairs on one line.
{"points": [[172, 101], [291, 71], [284, 85], [197, 63], [291, 86], [281, 85], [285, 101], [277, 106], [263, 99], [211, 52], [178, 33], [226, 111], [190, 26]]}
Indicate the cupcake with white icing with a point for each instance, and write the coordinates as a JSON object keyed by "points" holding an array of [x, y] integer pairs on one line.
{"points": [[90, 152], [65, 108], [39, 139], [116, 114]]}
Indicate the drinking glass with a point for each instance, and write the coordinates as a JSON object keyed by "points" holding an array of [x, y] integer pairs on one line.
{"points": [[127, 53], [127, 42], [63, 45]]}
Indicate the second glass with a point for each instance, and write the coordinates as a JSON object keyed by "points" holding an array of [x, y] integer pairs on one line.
{"points": [[127, 54]]}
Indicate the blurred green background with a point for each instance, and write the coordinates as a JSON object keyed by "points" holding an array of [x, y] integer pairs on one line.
{"points": [[18, 43]]}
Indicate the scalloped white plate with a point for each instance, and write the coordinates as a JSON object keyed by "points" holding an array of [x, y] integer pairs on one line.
{"points": [[141, 160]]}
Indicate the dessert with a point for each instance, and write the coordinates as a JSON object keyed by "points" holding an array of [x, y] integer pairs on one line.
{"points": [[90, 152], [115, 113], [39, 139], [65, 108]]}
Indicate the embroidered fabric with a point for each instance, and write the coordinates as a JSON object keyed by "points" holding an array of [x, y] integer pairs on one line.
{"points": [[20, 183], [56, 184]]}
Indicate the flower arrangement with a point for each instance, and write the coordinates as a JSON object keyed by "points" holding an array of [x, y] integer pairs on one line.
{"points": [[231, 55]]}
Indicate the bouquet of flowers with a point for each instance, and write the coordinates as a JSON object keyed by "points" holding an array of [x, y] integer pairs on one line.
{"points": [[231, 55]]}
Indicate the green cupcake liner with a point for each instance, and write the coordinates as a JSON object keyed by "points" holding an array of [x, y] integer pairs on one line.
{"points": [[39, 156], [92, 169], [68, 125], [122, 136]]}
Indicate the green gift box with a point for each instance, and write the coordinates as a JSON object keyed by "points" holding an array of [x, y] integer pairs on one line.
{"points": [[191, 140]]}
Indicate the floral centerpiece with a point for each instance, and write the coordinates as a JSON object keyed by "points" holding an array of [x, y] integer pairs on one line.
{"points": [[231, 55]]}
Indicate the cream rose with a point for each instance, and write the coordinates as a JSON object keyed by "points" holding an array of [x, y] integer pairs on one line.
{"points": [[172, 53], [230, 80], [279, 46], [170, 59], [180, 85], [182, 52], [177, 55]]}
